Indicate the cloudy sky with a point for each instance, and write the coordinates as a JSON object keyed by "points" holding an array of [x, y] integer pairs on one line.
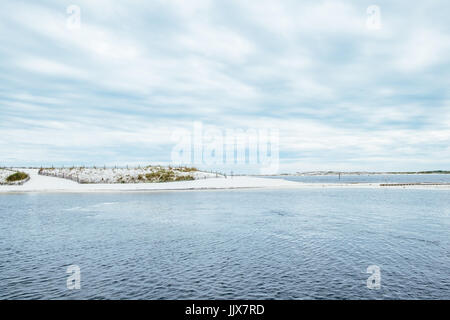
{"points": [[343, 94]]}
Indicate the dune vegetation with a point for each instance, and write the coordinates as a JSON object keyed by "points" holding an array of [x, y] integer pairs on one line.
{"points": [[18, 176], [12, 177], [148, 174]]}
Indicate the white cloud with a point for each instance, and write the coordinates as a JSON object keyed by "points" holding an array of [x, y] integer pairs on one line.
{"points": [[339, 93], [49, 67], [423, 49]]}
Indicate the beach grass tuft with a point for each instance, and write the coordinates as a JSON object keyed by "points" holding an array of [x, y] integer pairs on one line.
{"points": [[18, 176]]}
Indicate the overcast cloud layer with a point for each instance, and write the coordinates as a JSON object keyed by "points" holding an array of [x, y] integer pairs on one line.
{"points": [[343, 97]]}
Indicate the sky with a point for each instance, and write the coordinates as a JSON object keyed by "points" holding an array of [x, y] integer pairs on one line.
{"points": [[344, 87]]}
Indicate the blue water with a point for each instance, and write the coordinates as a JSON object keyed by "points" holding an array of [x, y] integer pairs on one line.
{"points": [[370, 178], [254, 244]]}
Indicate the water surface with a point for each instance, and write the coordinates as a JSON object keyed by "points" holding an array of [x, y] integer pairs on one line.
{"points": [[254, 244]]}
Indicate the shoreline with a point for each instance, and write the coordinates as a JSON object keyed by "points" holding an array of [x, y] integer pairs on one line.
{"points": [[45, 184]]}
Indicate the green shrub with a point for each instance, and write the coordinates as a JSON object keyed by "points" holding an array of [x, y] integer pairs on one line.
{"points": [[18, 176], [165, 175], [187, 169], [152, 176], [184, 178]]}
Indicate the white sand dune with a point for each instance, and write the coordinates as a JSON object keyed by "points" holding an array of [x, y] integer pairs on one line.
{"points": [[122, 175]]}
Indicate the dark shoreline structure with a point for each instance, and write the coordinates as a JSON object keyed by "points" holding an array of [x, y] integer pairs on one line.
{"points": [[414, 184]]}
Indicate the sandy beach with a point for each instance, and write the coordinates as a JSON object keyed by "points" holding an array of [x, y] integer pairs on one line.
{"points": [[40, 183]]}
